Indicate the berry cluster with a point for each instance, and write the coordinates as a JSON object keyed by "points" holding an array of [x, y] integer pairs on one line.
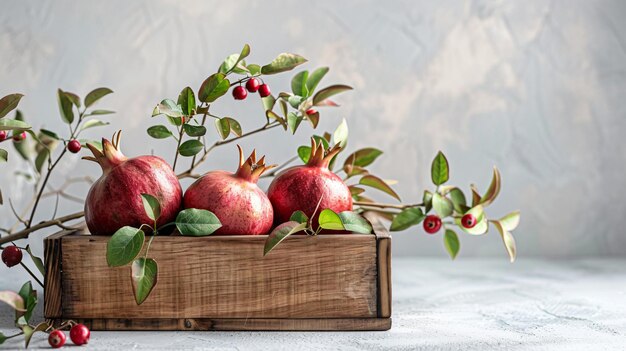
{"points": [[79, 335], [16, 137], [432, 223], [252, 85]]}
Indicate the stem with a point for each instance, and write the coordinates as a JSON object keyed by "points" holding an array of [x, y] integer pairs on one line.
{"points": [[279, 168], [193, 160], [180, 139], [188, 172], [380, 205], [43, 187], [24, 233], [31, 274]]}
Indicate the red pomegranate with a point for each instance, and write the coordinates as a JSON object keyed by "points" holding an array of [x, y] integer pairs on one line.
{"points": [[235, 198], [114, 200], [302, 187]]}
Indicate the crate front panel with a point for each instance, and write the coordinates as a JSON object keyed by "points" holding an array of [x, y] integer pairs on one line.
{"points": [[227, 277]]}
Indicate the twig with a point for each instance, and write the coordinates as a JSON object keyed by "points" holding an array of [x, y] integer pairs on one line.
{"points": [[31, 274], [279, 168], [24, 233]]}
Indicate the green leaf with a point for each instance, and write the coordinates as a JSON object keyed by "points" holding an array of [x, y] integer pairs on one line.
{"points": [[13, 299], [169, 108], [363, 157], [29, 331], [283, 62], [451, 242], [293, 121], [299, 216], [159, 132], [340, 136], [510, 221], [74, 98], [41, 159], [65, 107], [96, 95], [268, 102], [254, 69], [328, 219], [408, 217], [377, 183], [3, 338], [235, 127], [30, 300], [13, 124], [274, 116], [232, 62], [507, 239], [152, 206], [295, 101], [192, 130], [458, 200], [93, 123], [144, 273], [213, 87], [304, 152], [298, 84], [37, 261], [190, 148], [195, 222], [4, 155], [124, 246], [50, 134], [315, 78], [493, 190], [187, 101], [280, 233], [328, 92], [99, 112], [439, 170], [355, 223], [9, 103], [442, 205], [482, 224], [223, 127]]}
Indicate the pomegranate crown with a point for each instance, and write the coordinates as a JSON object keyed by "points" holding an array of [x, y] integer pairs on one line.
{"points": [[110, 156], [251, 169], [320, 156]]}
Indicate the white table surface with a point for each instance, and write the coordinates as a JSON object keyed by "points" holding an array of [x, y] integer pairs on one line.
{"points": [[443, 305]]}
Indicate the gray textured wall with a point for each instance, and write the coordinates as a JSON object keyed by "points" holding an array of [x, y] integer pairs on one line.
{"points": [[535, 87]]}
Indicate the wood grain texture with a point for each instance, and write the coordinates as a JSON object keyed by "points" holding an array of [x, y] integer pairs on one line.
{"points": [[52, 280], [227, 277], [249, 324]]}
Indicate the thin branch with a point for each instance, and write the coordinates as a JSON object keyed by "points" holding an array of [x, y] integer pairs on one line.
{"points": [[24, 233], [279, 168]]}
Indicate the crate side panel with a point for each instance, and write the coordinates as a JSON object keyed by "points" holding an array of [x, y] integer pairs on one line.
{"points": [[227, 277]]}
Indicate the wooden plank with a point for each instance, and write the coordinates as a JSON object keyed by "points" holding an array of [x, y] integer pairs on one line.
{"points": [[52, 280], [383, 253], [247, 324], [227, 277]]}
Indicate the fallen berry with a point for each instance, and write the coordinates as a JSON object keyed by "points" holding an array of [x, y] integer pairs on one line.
{"points": [[56, 339], [79, 334]]}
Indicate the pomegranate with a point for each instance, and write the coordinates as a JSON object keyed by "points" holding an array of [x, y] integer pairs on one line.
{"points": [[114, 200], [235, 198], [302, 187]]}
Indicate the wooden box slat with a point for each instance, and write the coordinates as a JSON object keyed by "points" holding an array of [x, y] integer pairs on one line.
{"points": [[326, 282]]}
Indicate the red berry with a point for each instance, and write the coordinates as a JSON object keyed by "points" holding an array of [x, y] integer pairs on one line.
{"points": [[56, 339], [11, 256], [19, 137], [79, 334], [3, 135], [239, 93], [73, 146], [264, 90], [468, 221], [432, 224], [311, 111], [252, 85]]}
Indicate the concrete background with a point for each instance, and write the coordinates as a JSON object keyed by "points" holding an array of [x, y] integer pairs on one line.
{"points": [[534, 87]]}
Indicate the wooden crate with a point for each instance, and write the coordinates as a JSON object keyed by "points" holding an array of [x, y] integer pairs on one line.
{"points": [[326, 282]]}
